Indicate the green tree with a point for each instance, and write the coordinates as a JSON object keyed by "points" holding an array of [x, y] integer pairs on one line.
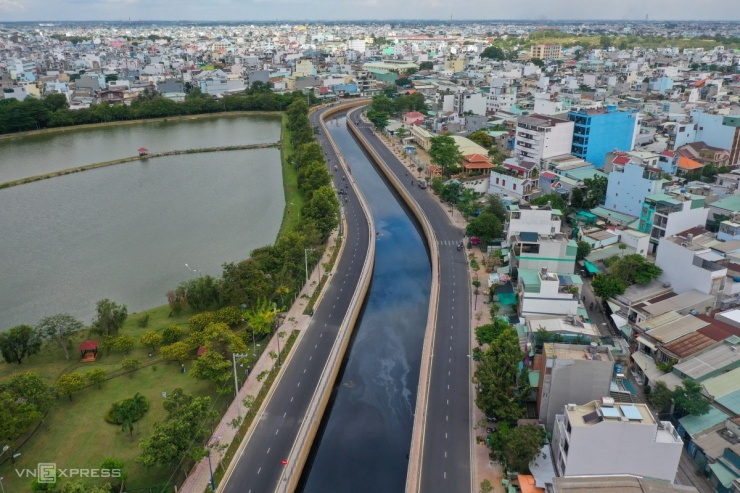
{"points": [[661, 397], [184, 426], [151, 340], [313, 176], [16, 417], [200, 321], [110, 317], [177, 351], [555, 200], [595, 191], [123, 344], [172, 333], [607, 286], [323, 210], [689, 399], [115, 468], [584, 250], [524, 444], [494, 52], [426, 65], [481, 138], [634, 268], [213, 367], [60, 329], [31, 389], [130, 364], [486, 334], [201, 292], [496, 207], [497, 378], [486, 227], [96, 376], [538, 61], [378, 118], [445, 154], [69, 383], [260, 318], [128, 411], [486, 486], [18, 342]]}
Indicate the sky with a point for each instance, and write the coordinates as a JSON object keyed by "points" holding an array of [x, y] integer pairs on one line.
{"points": [[300, 10]]}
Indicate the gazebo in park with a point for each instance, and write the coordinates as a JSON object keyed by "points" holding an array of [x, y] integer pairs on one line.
{"points": [[89, 351], [143, 151]]}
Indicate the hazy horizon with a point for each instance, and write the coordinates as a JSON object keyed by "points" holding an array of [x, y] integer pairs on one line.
{"points": [[372, 10]]}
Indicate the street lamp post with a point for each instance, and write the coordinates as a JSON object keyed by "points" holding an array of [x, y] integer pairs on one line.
{"points": [[236, 381], [305, 254], [277, 332], [210, 468], [1, 485]]}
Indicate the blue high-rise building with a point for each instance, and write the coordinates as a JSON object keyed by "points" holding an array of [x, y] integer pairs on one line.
{"points": [[602, 130]]}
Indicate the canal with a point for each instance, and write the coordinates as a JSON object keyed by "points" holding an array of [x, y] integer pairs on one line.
{"points": [[126, 232], [366, 433]]}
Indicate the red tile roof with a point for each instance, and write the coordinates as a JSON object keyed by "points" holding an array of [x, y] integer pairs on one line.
{"points": [[621, 160], [718, 330]]}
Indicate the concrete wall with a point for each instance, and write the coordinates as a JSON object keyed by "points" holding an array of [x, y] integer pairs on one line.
{"points": [[627, 190], [688, 276]]}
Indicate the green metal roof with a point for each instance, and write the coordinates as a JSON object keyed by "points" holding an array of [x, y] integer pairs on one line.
{"points": [[724, 475], [607, 214], [696, 424], [723, 384], [731, 401], [731, 203]]}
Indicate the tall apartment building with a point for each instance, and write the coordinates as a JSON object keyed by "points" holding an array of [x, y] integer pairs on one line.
{"points": [[546, 51], [601, 130], [541, 137], [603, 438]]}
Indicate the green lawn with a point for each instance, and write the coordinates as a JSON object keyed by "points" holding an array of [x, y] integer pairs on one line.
{"points": [[75, 435], [293, 196]]}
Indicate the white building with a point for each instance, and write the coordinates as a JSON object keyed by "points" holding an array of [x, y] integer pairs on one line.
{"points": [[467, 102], [542, 220], [544, 294], [688, 265], [667, 214], [516, 180], [603, 437], [629, 183], [540, 137]]}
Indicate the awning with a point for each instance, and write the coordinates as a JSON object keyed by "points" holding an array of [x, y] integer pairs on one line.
{"points": [[646, 343], [618, 321], [591, 268], [615, 308]]}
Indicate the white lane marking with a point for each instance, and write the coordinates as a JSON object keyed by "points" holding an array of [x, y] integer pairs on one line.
{"points": [[291, 399], [299, 384], [304, 370], [310, 358], [268, 450], [316, 346], [285, 413], [276, 431], [259, 470]]}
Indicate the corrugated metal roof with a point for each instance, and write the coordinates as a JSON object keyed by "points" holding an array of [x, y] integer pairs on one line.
{"points": [[690, 344], [709, 361], [723, 384], [732, 402], [713, 444], [695, 425], [676, 329], [660, 320], [680, 302]]}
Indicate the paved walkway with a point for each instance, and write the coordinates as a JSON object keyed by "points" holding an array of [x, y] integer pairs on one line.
{"points": [[224, 434]]}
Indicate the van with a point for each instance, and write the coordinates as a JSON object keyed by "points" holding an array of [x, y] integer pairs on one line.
{"points": [[422, 183]]}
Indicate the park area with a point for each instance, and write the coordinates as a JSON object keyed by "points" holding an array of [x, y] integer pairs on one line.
{"points": [[74, 433]]}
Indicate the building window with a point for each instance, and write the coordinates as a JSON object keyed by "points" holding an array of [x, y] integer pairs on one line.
{"points": [[496, 181], [503, 183], [514, 186]]}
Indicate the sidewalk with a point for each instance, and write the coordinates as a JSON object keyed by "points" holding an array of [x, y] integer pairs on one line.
{"points": [[482, 466], [199, 477]]}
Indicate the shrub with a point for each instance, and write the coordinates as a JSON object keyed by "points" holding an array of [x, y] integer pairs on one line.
{"points": [[230, 315], [134, 408], [202, 320], [172, 333], [143, 321]]}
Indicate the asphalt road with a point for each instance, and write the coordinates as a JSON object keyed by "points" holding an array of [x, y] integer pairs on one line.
{"points": [[446, 461], [259, 467]]}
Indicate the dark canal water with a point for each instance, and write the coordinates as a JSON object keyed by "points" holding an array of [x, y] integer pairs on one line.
{"points": [[366, 434]]}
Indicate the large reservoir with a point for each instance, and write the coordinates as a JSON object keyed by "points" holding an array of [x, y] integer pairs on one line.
{"points": [[126, 232]]}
